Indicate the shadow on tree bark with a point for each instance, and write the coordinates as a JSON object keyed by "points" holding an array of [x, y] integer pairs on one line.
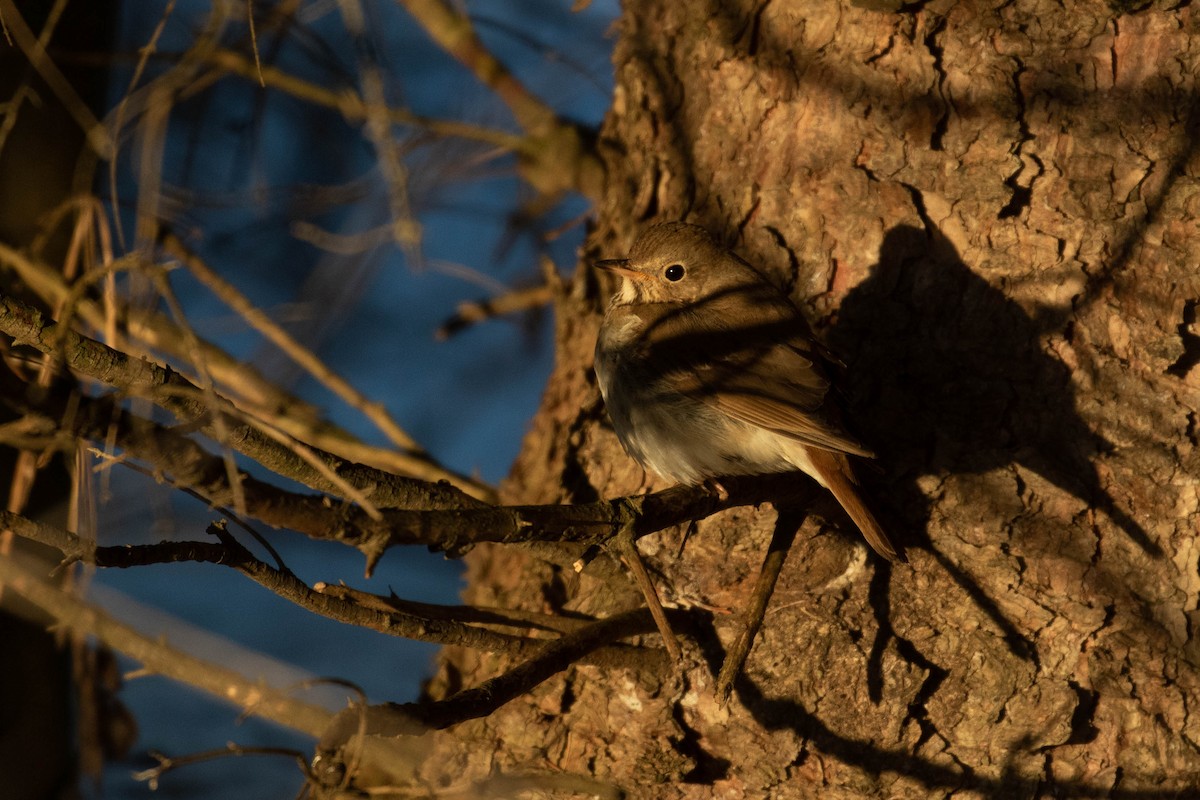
{"points": [[779, 712], [948, 378]]}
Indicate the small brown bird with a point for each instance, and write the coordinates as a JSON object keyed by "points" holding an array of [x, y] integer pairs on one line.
{"points": [[707, 369]]}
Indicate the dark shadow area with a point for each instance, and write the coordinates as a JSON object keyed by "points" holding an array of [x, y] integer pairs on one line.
{"points": [[946, 376], [781, 713]]}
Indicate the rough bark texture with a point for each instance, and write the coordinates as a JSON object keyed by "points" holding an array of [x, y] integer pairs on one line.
{"points": [[991, 213]]}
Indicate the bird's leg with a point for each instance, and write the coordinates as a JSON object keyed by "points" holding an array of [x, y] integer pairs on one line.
{"points": [[626, 546], [786, 526], [691, 528]]}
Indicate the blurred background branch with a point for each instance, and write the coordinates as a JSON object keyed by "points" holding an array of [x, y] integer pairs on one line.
{"points": [[222, 291]]}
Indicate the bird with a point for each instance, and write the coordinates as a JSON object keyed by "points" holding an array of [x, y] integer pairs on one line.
{"points": [[707, 369]]}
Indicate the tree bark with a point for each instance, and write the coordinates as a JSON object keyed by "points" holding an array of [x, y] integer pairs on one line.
{"points": [[991, 215]]}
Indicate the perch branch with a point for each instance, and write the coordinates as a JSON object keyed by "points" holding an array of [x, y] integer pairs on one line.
{"points": [[412, 512], [187, 464]]}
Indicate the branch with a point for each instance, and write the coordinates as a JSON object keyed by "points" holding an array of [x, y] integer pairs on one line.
{"points": [[255, 393], [410, 719], [418, 512], [438, 627], [416, 461], [352, 107], [187, 464], [156, 656], [175, 393], [511, 302], [275, 333], [20, 34], [557, 155], [481, 615]]}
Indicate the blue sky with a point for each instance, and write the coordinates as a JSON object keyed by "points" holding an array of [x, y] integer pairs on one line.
{"points": [[240, 167]]}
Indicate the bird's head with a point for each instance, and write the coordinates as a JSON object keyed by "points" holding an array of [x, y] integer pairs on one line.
{"points": [[675, 262]]}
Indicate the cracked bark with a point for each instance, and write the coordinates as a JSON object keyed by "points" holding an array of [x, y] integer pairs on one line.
{"points": [[991, 215]]}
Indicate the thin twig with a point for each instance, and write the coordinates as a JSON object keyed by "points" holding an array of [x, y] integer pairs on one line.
{"points": [[481, 615], [158, 657], [453, 32], [557, 154], [354, 108], [173, 392], [409, 719], [786, 525], [231, 750], [405, 228], [275, 333], [256, 395], [218, 408], [35, 51], [511, 302], [254, 41], [438, 628], [627, 546]]}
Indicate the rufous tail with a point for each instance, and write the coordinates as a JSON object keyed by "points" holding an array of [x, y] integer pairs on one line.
{"points": [[838, 476]]}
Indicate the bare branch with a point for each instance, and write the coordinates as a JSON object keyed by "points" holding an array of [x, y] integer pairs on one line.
{"points": [[178, 395], [34, 49], [378, 614], [157, 656], [496, 617], [353, 108], [557, 155], [300, 354], [409, 719], [231, 750], [256, 394], [508, 303], [447, 527]]}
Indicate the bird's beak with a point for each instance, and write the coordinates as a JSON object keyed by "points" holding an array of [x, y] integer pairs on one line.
{"points": [[621, 267]]}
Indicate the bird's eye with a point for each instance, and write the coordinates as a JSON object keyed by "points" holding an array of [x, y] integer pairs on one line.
{"points": [[674, 272]]}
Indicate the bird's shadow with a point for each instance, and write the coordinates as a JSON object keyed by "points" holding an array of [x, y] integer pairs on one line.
{"points": [[946, 376]]}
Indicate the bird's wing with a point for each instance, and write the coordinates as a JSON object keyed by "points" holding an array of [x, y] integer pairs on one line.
{"points": [[767, 375], [779, 387]]}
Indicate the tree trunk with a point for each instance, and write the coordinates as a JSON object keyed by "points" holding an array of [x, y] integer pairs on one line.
{"points": [[991, 215]]}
